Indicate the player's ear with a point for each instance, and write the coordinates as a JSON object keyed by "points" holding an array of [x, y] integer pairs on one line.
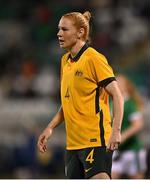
{"points": [[81, 33]]}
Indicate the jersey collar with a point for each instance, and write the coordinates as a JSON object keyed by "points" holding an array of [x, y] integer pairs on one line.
{"points": [[76, 58]]}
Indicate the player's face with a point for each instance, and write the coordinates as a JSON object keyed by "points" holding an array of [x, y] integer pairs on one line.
{"points": [[67, 34]]}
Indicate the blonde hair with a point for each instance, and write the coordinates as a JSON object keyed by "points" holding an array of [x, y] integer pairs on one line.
{"points": [[133, 92], [80, 21]]}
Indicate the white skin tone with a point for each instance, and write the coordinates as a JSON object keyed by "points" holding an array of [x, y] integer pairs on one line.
{"points": [[135, 127], [71, 39]]}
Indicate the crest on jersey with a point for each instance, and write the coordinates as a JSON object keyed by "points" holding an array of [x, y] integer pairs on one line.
{"points": [[78, 73]]}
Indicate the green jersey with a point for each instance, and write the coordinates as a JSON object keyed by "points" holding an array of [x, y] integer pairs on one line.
{"points": [[130, 114]]}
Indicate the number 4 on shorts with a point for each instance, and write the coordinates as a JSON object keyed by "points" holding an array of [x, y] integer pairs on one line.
{"points": [[90, 156]]}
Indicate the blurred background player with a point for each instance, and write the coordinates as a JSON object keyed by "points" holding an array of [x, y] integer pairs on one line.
{"points": [[130, 159], [29, 73]]}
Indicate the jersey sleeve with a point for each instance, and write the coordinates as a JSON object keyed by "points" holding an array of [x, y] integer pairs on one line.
{"points": [[101, 70], [135, 114]]}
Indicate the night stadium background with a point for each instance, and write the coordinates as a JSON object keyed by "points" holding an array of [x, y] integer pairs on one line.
{"points": [[29, 73]]}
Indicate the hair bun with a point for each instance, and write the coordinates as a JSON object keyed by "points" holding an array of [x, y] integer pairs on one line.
{"points": [[87, 15]]}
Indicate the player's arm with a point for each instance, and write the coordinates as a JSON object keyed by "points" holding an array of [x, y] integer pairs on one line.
{"points": [[46, 134], [136, 126], [118, 106]]}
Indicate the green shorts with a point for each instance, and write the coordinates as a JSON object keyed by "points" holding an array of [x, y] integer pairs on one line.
{"points": [[85, 163]]}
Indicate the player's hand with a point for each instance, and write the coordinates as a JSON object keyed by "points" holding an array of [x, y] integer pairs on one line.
{"points": [[114, 141], [43, 138]]}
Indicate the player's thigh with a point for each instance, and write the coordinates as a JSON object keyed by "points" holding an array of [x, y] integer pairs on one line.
{"points": [[96, 160], [101, 175], [73, 166]]}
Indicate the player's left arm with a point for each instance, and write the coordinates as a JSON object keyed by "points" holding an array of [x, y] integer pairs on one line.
{"points": [[118, 107], [136, 126]]}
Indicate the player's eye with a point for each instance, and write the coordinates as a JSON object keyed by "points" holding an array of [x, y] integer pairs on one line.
{"points": [[62, 28], [65, 29]]}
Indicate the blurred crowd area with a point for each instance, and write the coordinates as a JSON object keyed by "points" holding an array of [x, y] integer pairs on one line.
{"points": [[29, 72]]}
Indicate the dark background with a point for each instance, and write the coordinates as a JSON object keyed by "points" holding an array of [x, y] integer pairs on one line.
{"points": [[29, 73]]}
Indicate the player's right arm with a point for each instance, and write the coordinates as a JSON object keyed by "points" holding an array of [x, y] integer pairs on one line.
{"points": [[46, 134], [57, 119]]}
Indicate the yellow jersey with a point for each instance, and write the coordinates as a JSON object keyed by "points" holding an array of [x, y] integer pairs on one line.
{"points": [[84, 99]]}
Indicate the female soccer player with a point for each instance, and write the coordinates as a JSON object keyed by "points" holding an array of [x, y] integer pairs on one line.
{"points": [[130, 160], [87, 80]]}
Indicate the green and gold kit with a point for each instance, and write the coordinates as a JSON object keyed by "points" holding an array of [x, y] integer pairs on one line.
{"points": [[84, 98]]}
